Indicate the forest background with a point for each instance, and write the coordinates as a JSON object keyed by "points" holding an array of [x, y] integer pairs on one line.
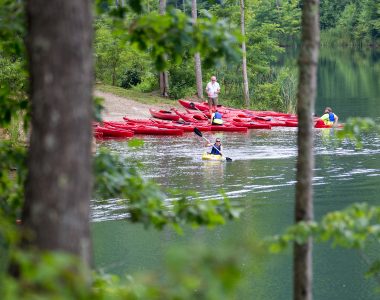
{"points": [[272, 28]]}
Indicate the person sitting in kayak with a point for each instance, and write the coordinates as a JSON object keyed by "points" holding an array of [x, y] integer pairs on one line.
{"points": [[329, 118], [216, 118], [216, 148]]}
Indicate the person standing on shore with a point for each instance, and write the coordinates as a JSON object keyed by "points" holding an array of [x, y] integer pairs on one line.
{"points": [[212, 90]]}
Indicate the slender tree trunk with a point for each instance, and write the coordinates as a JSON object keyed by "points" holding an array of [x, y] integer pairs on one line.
{"points": [[308, 60], [164, 76], [244, 63], [114, 75], [58, 188], [197, 56]]}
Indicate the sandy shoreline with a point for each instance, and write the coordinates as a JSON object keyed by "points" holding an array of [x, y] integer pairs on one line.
{"points": [[115, 107]]}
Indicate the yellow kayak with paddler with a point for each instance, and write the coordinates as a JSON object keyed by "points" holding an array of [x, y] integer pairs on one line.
{"points": [[208, 156]]}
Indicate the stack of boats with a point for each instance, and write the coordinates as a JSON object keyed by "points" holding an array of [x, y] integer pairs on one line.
{"points": [[195, 114]]}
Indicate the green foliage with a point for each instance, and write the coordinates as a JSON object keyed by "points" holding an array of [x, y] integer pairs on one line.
{"points": [[47, 276], [144, 202], [330, 12], [130, 78], [182, 79], [110, 7], [12, 178], [353, 227], [13, 76], [285, 15], [12, 28], [208, 273], [97, 108], [117, 63], [351, 22], [268, 96], [269, 24], [355, 128], [349, 228], [10, 106], [169, 36], [149, 83], [288, 81]]}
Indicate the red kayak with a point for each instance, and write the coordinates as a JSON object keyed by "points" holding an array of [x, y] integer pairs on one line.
{"points": [[228, 128], [190, 127], [156, 131], [164, 114], [320, 124], [250, 124], [147, 129], [187, 104], [270, 120], [289, 123], [113, 132], [188, 117]]}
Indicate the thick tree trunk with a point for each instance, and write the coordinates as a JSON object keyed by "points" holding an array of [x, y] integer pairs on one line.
{"points": [[244, 63], [164, 76], [58, 188], [197, 56], [308, 60]]}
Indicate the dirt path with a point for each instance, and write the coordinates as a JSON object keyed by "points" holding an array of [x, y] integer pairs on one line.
{"points": [[117, 107]]}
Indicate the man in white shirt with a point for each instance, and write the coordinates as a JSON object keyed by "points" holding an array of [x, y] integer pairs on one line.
{"points": [[212, 89]]}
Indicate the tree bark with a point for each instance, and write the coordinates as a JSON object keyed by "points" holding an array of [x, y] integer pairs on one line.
{"points": [[197, 56], [58, 187], [164, 76], [244, 63], [308, 60]]}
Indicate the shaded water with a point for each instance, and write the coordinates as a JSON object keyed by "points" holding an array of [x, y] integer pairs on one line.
{"points": [[261, 177]]}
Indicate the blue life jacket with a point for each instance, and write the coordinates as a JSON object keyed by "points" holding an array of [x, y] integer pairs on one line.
{"points": [[217, 115], [217, 118], [331, 117], [214, 151]]}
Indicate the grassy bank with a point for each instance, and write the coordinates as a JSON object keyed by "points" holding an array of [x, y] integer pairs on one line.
{"points": [[147, 98]]}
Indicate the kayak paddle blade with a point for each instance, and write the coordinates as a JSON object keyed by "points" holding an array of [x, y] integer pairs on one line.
{"points": [[197, 131], [228, 159]]}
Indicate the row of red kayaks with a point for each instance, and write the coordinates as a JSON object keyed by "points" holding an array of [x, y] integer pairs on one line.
{"points": [[176, 122], [196, 112]]}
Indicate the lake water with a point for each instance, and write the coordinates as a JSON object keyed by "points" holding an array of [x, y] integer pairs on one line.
{"points": [[261, 178]]}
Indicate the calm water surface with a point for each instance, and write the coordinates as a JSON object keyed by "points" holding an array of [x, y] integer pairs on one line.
{"points": [[261, 178]]}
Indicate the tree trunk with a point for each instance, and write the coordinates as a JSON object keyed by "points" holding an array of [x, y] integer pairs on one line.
{"points": [[58, 187], [164, 76], [244, 63], [308, 60], [197, 56]]}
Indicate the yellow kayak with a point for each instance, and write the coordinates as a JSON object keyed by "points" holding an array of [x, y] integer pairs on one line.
{"points": [[207, 156]]}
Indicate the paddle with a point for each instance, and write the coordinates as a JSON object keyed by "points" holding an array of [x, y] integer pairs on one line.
{"points": [[192, 105], [199, 133]]}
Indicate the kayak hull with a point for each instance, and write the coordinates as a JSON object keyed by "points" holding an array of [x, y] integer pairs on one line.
{"points": [[164, 114], [207, 156], [112, 132]]}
